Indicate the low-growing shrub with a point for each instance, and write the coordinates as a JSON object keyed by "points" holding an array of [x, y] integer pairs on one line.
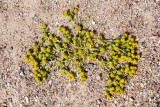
{"points": [[70, 52]]}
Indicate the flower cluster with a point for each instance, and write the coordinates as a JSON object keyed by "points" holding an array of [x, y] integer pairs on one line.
{"points": [[68, 52], [39, 56], [122, 62], [71, 12]]}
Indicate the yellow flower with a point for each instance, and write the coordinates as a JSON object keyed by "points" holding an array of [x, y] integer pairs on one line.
{"points": [[36, 68], [43, 26], [138, 56], [132, 71], [117, 88], [134, 67], [43, 49], [64, 55], [75, 10], [126, 70], [131, 74], [132, 51], [112, 75], [76, 62], [38, 80], [55, 39], [78, 28], [40, 56], [118, 93], [121, 85], [38, 75], [107, 95], [58, 46], [29, 52], [88, 44], [110, 64], [82, 73], [119, 72], [35, 72], [122, 40], [50, 36], [70, 17], [66, 39], [80, 51], [59, 63], [122, 81], [47, 54], [71, 76], [77, 6], [48, 49], [116, 49], [44, 78], [124, 35], [117, 77], [102, 49], [66, 32], [135, 44], [134, 61], [65, 13], [83, 78], [42, 72], [133, 56], [31, 58], [129, 54], [90, 57], [92, 34], [110, 47], [34, 44], [109, 81], [117, 44], [115, 57], [26, 58], [128, 50], [45, 34], [88, 34], [83, 32], [41, 40], [130, 39], [112, 53], [65, 45], [111, 90], [64, 71], [129, 59], [79, 69], [49, 42]]}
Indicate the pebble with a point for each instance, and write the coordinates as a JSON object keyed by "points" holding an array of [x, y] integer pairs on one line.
{"points": [[21, 73], [98, 77], [50, 82], [57, 23], [93, 22], [26, 100], [99, 101], [159, 42]]}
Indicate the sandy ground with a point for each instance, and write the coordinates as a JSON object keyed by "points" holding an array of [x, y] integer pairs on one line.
{"points": [[19, 26]]}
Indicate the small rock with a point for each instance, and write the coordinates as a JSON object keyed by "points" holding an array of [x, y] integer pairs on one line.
{"points": [[57, 23], [93, 22], [21, 74], [99, 101], [159, 42], [26, 100], [98, 77], [50, 82]]}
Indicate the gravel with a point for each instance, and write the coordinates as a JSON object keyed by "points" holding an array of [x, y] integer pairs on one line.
{"points": [[19, 27]]}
